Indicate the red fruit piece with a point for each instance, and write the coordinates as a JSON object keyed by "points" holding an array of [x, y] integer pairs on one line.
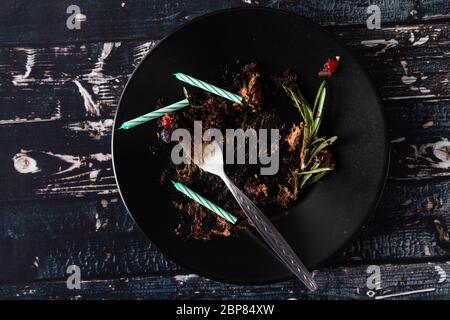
{"points": [[332, 65], [167, 121]]}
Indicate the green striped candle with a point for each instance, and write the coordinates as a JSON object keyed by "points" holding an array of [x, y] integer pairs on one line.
{"points": [[204, 202], [155, 114], [208, 87]]}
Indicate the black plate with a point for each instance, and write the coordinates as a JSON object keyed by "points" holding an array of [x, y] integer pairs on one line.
{"points": [[327, 216]]}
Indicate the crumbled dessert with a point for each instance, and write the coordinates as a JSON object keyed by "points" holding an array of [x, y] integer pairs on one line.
{"points": [[293, 138], [263, 96]]}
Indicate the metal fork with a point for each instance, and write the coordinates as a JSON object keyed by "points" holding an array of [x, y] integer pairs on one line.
{"points": [[211, 160]]}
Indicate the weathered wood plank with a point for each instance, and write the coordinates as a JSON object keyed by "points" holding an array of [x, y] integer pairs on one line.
{"points": [[56, 160], [419, 131], [81, 219], [112, 20], [405, 62], [98, 256], [76, 87], [62, 83], [63, 160], [415, 281], [39, 240], [85, 80]]}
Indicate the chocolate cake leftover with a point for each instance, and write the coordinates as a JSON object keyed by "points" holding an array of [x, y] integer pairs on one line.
{"points": [[266, 105]]}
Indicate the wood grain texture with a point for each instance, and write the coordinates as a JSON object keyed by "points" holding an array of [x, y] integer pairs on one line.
{"points": [[55, 160], [69, 95], [136, 19], [406, 62], [65, 159], [82, 81], [38, 241], [59, 205], [397, 282], [98, 257]]}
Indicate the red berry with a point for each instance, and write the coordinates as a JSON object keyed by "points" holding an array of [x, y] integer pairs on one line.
{"points": [[166, 121], [332, 65]]}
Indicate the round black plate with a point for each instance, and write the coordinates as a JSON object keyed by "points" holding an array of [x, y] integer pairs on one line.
{"points": [[329, 214]]}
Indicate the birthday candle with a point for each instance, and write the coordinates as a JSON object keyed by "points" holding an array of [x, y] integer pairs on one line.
{"points": [[155, 114], [208, 87], [204, 202]]}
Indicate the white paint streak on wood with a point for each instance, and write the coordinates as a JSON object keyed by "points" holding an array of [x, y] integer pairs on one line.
{"points": [[140, 51], [442, 274], [100, 157], [106, 51], [428, 124], [89, 104], [104, 203], [408, 79], [93, 175], [436, 16], [421, 41], [91, 178], [101, 83], [80, 191], [23, 163], [79, 17], [424, 90], [95, 129], [107, 191], [71, 184], [411, 97], [426, 250], [21, 79], [71, 190], [75, 178], [75, 162], [406, 203], [404, 66], [98, 223], [440, 150], [185, 278], [398, 140], [406, 293], [388, 44]]}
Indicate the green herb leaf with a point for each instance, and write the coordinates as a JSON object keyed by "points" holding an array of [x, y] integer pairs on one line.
{"points": [[319, 94], [320, 147], [316, 178], [318, 114], [312, 146], [315, 171]]}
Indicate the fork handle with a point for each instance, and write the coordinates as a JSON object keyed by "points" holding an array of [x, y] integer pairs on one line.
{"points": [[271, 235]]}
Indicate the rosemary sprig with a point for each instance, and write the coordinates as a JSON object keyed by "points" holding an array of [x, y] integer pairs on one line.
{"points": [[313, 166]]}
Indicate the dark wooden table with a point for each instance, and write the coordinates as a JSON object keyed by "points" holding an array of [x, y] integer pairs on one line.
{"points": [[59, 204]]}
